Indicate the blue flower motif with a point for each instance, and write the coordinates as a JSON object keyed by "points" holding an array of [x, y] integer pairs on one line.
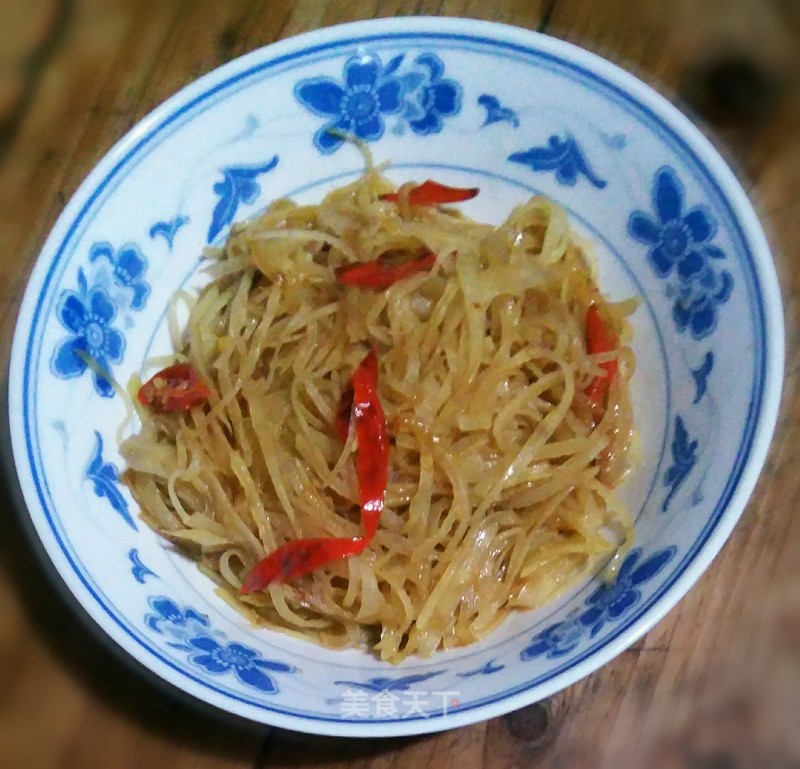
{"points": [[684, 458], [680, 245], [105, 480], [139, 570], [615, 141], [129, 266], [676, 239], [496, 112], [167, 615], [357, 107], [564, 156], [209, 649], [168, 229], [696, 302], [486, 670], [700, 376], [87, 315], [555, 641], [610, 603], [387, 684], [434, 98], [238, 186], [245, 663]]}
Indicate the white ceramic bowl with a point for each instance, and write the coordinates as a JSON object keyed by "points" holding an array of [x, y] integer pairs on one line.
{"points": [[468, 103]]}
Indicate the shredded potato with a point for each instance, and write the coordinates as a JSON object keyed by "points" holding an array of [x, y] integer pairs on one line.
{"points": [[502, 476]]}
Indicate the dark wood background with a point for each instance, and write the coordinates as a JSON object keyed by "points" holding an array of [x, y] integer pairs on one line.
{"points": [[715, 684]]}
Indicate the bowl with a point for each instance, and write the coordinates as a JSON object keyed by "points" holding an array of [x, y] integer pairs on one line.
{"points": [[470, 104]]}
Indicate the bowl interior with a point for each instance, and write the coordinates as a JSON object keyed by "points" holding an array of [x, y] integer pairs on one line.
{"points": [[468, 104]]}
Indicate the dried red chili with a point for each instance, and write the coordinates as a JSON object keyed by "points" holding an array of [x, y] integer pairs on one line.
{"points": [[431, 193], [175, 388], [598, 340], [300, 557], [379, 274], [373, 442]]}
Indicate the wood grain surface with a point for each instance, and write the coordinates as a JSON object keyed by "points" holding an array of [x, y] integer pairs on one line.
{"points": [[715, 684]]}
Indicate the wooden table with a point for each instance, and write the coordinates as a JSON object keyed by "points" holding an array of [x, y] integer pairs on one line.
{"points": [[714, 684]]}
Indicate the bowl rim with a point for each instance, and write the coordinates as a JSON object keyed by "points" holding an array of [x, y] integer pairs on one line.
{"points": [[352, 33]]}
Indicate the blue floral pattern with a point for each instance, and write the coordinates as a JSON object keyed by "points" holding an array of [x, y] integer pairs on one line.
{"points": [[209, 650], [88, 315], [105, 480], [245, 663], [700, 376], [139, 571], [684, 458], [370, 92], [695, 308], [496, 112], [61, 429], [485, 670], [615, 141], [168, 229], [555, 641], [357, 107], [129, 266], [389, 684], [680, 248], [564, 156], [608, 603], [170, 619], [431, 99], [251, 125], [238, 186]]}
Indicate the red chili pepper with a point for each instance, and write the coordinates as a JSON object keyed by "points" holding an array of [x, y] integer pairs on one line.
{"points": [[300, 557], [431, 193], [175, 388], [380, 275], [373, 442], [598, 340]]}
